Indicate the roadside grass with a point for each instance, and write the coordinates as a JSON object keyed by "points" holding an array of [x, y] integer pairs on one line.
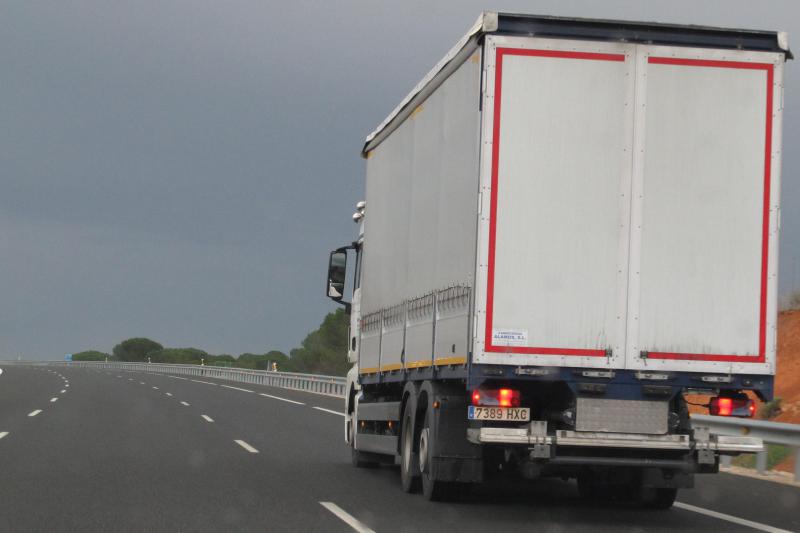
{"points": [[776, 454]]}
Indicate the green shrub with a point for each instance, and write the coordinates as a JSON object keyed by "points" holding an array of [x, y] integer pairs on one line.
{"points": [[91, 355], [136, 349], [178, 356], [776, 454], [770, 410]]}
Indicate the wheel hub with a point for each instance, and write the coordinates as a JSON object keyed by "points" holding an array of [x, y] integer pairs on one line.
{"points": [[423, 450]]}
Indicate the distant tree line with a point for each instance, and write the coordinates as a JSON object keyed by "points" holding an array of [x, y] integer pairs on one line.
{"points": [[323, 351]]}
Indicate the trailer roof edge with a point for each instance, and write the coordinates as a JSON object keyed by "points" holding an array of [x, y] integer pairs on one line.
{"points": [[573, 28]]}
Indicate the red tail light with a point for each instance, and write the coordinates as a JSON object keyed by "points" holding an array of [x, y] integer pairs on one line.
{"points": [[496, 397], [739, 405]]}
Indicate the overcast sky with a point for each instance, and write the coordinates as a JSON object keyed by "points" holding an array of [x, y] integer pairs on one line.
{"points": [[180, 169]]}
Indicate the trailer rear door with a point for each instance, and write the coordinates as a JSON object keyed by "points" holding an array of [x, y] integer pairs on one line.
{"points": [[629, 206], [705, 211], [556, 207]]}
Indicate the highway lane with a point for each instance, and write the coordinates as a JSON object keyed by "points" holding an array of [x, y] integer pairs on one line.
{"points": [[116, 456], [124, 454], [20, 397]]}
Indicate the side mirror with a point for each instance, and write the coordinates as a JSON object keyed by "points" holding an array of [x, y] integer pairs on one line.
{"points": [[337, 270]]}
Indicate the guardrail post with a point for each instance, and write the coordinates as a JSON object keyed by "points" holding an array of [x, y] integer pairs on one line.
{"points": [[761, 461], [797, 464]]}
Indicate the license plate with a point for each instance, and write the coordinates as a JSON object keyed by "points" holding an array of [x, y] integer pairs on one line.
{"points": [[501, 414]]}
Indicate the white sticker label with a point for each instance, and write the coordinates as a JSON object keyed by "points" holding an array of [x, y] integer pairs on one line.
{"points": [[509, 337]]}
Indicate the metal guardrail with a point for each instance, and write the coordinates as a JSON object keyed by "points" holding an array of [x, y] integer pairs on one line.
{"points": [[317, 384], [769, 432]]}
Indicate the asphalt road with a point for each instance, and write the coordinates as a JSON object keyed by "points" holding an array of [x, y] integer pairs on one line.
{"points": [[130, 451]]}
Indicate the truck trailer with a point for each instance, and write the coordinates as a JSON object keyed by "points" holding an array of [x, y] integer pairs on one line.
{"points": [[570, 225]]}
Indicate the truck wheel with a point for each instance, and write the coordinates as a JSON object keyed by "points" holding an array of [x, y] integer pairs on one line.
{"points": [[359, 459], [661, 498], [409, 476], [433, 489]]}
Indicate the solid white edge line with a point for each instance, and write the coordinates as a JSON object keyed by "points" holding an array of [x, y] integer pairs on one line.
{"points": [[279, 398], [207, 418], [246, 446], [34, 413], [184, 403], [3, 434], [346, 517], [729, 518], [205, 382], [328, 411], [235, 388], [176, 377], [52, 400]]}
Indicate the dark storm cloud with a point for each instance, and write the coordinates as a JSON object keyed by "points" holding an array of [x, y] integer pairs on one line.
{"points": [[179, 169]]}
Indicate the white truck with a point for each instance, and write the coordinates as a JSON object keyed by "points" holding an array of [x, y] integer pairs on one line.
{"points": [[569, 225]]}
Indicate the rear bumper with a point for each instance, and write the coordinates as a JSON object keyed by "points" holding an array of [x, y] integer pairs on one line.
{"points": [[722, 444]]}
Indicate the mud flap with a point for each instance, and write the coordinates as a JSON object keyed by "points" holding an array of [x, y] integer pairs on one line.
{"points": [[454, 457]]}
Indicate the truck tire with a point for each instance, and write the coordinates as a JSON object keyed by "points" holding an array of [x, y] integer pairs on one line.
{"points": [[660, 498], [409, 465], [433, 489]]}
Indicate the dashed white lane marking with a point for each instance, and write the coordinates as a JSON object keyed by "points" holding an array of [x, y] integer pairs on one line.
{"points": [[130, 379], [67, 385], [235, 388], [246, 446], [279, 398], [1, 373], [34, 413], [53, 400], [176, 377], [142, 383], [207, 418], [729, 518], [3, 434], [184, 403], [156, 388], [328, 411], [119, 376], [168, 393], [63, 391], [206, 382], [346, 517]]}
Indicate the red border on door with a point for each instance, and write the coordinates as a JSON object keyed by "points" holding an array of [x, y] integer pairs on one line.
{"points": [[762, 334], [767, 67], [498, 85]]}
